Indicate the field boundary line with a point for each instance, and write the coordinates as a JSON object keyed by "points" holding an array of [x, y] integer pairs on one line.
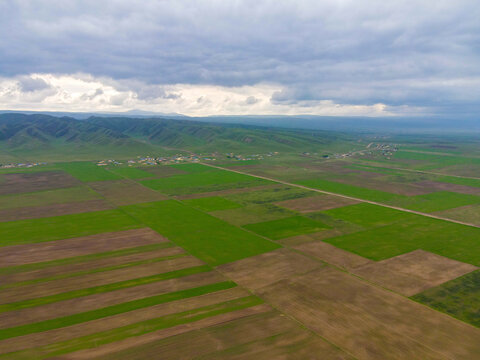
{"points": [[348, 197]]}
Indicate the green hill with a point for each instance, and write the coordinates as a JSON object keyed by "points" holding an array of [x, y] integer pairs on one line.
{"points": [[45, 137]]}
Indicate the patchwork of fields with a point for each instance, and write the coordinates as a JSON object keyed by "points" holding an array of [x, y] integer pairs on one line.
{"points": [[190, 261]]}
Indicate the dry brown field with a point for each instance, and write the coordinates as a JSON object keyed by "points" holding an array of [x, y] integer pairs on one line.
{"points": [[53, 210], [261, 270], [52, 250], [226, 192], [316, 203], [413, 272], [370, 322], [50, 271], [30, 182]]}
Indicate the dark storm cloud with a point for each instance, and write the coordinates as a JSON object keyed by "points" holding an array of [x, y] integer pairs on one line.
{"points": [[417, 53]]}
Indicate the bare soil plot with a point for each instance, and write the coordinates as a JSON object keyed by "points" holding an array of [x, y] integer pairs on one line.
{"points": [[259, 336], [333, 255], [227, 192], [261, 270], [30, 182], [413, 272], [370, 322], [87, 303], [52, 250], [88, 265], [316, 203], [97, 279], [126, 192], [131, 317], [53, 210], [441, 186], [113, 348]]}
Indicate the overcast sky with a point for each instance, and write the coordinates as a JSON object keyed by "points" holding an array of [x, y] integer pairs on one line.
{"points": [[359, 57]]}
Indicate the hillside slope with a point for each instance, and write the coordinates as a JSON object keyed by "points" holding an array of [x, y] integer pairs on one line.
{"points": [[44, 137]]}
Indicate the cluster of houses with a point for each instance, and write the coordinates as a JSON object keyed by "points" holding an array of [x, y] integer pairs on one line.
{"points": [[21, 165], [151, 160], [240, 157]]}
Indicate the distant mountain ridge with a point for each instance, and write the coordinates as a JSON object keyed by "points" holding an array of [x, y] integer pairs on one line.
{"points": [[26, 134]]}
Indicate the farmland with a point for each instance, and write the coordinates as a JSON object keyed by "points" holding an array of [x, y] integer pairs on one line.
{"points": [[187, 260]]}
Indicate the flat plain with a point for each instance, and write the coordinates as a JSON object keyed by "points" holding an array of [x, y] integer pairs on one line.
{"points": [[189, 261]]}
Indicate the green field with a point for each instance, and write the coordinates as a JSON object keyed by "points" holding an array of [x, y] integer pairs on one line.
{"points": [[204, 236], [455, 241], [459, 298], [202, 181], [252, 214], [63, 227], [368, 215], [130, 172], [213, 203], [283, 228]]}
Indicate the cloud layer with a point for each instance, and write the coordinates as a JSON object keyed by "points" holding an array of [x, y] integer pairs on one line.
{"points": [[244, 57]]}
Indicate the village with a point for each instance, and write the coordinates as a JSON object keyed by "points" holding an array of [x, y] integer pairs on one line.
{"points": [[180, 158]]}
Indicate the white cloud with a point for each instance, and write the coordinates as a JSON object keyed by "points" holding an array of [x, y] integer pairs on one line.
{"points": [[82, 92]]}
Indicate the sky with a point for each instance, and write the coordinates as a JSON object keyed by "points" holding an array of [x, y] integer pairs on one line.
{"points": [[226, 57]]}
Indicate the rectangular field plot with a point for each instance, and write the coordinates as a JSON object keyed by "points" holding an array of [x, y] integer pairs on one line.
{"points": [[53, 210], [125, 192], [65, 226], [413, 272], [130, 172], [202, 181], [454, 241], [163, 312], [87, 248], [437, 201], [210, 239], [48, 197], [252, 214], [368, 215], [258, 335], [213, 203], [459, 298], [270, 195], [87, 171], [368, 321], [316, 203], [117, 287], [283, 228], [35, 181]]}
